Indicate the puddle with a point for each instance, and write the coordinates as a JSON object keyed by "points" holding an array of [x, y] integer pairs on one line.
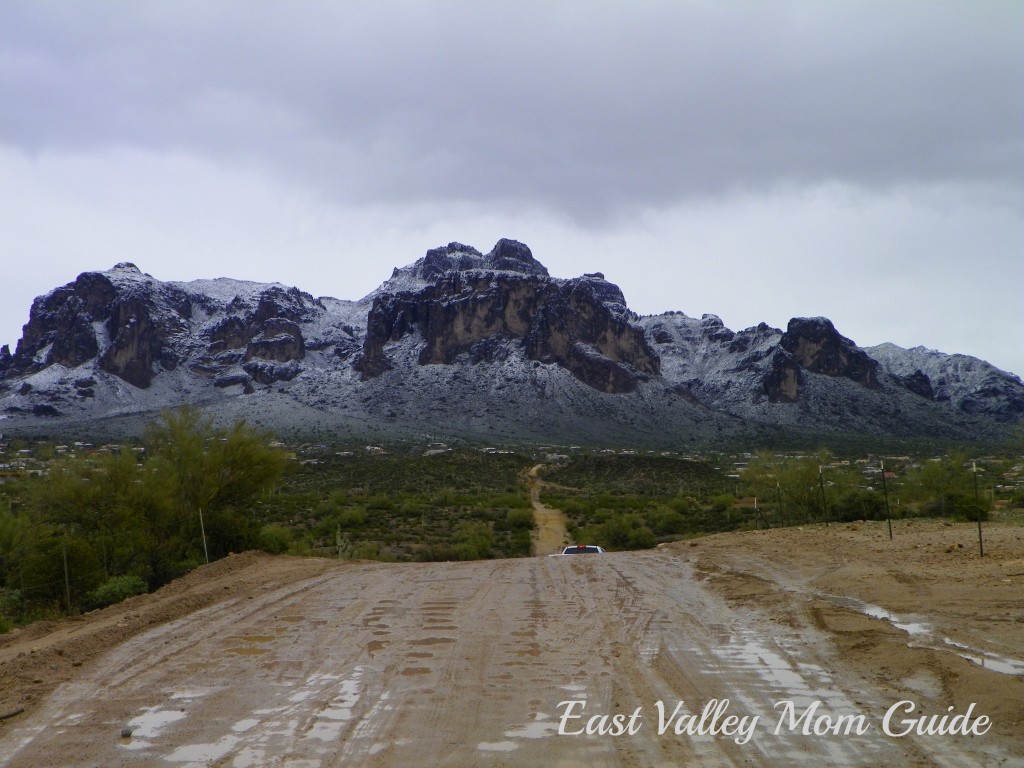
{"points": [[330, 721], [913, 628], [192, 693], [203, 754], [923, 637], [987, 660], [538, 729], [149, 725], [497, 746]]}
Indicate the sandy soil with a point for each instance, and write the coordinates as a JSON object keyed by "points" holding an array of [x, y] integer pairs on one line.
{"points": [[549, 535], [257, 660]]}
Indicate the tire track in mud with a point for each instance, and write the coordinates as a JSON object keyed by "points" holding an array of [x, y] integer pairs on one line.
{"points": [[460, 664]]}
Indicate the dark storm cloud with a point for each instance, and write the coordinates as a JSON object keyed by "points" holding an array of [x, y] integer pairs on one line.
{"points": [[583, 108]]}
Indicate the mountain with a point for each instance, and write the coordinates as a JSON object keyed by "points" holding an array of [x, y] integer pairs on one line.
{"points": [[487, 347]]}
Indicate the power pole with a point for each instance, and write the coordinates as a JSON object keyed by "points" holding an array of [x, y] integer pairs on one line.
{"points": [[202, 530], [821, 485], [885, 490], [782, 512], [977, 506], [67, 580]]}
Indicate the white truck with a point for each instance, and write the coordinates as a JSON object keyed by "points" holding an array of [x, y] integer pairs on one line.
{"points": [[580, 549]]}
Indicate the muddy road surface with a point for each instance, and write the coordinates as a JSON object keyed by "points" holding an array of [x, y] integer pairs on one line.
{"points": [[741, 650]]}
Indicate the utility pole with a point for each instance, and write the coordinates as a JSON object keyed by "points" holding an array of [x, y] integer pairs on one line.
{"points": [[885, 490], [821, 485], [67, 580], [761, 514], [977, 506], [202, 530]]}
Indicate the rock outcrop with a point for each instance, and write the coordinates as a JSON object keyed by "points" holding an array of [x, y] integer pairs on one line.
{"points": [[483, 345], [475, 304], [813, 344]]}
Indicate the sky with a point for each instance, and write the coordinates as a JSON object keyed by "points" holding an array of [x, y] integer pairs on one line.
{"points": [[858, 159]]}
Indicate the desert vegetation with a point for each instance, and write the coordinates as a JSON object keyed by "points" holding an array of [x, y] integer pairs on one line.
{"points": [[82, 527]]}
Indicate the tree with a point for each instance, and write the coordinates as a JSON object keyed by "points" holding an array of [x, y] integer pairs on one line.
{"points": [[944, 486], [210, 476], [807, 484], [111, 519]]}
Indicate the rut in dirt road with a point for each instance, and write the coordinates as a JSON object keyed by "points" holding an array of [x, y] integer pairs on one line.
{"points": [[463, 664]]}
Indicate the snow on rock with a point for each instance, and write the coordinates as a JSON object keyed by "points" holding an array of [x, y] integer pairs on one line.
{"points": [[485, 346]]}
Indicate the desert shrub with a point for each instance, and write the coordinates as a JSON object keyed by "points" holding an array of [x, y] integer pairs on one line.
{"points": [[665, 521], [275, 539], [114, 590], [473, 541], [860, 505], [11, 605], [519, 519], [354, 517], [962, 506], [619, 531]]}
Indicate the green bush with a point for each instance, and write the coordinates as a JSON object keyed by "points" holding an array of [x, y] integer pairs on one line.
{"points": [[520, 519], [354, 517], [619, 532], [860, 505], [275, 539], [11, 606], [961, 506], [114, 590], [473, 541], [665, 520]]}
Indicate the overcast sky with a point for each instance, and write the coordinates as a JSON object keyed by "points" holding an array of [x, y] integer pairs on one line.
{"points": [[759, 161]]}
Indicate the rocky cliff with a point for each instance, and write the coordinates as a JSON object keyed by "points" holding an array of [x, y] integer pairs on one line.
{"points": [[487, 346], [476, 306]]}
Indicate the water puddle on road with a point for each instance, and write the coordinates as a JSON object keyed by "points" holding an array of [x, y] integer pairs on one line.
{"points": [[142, 728], [987, 660], [922, 636], [203, 754], [541, 726]]}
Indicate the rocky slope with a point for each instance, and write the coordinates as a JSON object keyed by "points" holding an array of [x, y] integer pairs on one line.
{"points": [[482, 346]]}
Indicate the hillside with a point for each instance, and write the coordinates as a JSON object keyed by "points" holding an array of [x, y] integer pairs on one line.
{"points": [[484, 347]]}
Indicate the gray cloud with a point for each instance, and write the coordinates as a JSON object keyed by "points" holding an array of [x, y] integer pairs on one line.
{"points": [[587, 111], [757, 160]]}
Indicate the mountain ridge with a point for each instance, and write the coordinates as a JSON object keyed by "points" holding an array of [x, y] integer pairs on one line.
{"points": [[484, 347]]}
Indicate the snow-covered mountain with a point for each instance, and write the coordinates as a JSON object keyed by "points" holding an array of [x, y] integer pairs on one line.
{"points": [[481, 346]]}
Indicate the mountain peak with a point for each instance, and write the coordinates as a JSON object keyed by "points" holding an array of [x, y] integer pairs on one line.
{"points": [[470, 343], [506, 256]]}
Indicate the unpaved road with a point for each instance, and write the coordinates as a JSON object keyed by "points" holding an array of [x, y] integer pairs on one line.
{"points": [[261, 661], [549, 533]]}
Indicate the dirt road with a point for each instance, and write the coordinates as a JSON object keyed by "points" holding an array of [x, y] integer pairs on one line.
{"points": [[314, 663], [549, 535]]}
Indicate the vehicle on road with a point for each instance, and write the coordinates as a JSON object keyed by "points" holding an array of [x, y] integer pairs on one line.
{"points": [[580, 549]]}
